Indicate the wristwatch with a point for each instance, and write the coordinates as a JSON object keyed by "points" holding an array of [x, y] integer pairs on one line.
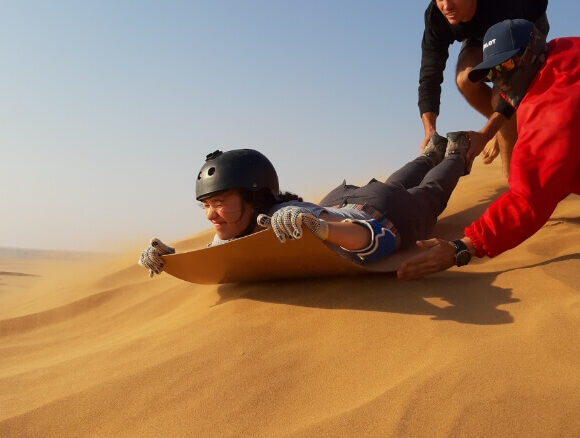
{"points": [[462, 254]]}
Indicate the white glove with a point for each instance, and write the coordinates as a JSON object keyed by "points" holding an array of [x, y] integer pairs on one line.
{"points": [[287, 223], [151, 256]]}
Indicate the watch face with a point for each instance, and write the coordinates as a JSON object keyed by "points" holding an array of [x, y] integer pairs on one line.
{"points": [[463, 257]]}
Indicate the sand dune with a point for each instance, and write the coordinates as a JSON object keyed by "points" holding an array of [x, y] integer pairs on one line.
{"points": [[99, 349]]}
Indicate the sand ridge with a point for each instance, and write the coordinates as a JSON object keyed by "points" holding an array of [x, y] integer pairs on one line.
{"points": [[99, 349]]}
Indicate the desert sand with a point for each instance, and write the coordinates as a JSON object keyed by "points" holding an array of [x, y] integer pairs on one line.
{"points": [[97, 348]]}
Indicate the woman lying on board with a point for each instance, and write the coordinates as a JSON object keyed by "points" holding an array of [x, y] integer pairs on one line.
{"points": [[240, 195]]}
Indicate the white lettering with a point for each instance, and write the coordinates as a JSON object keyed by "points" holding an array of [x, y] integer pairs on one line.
{"points": [[489, 43]]}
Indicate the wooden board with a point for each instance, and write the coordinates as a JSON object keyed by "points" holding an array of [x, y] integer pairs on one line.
{"points": [[261, 257]]}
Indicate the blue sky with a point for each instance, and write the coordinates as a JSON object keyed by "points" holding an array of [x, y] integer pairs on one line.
{"points": [[109, 107]]}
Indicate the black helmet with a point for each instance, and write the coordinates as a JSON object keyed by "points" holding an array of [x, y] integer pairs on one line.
{"points": [[235, 169]]}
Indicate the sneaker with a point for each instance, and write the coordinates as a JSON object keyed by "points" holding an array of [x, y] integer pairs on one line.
{"points": [[458, 143], [435, 148]]}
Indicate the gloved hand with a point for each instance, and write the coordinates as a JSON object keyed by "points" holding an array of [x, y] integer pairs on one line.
{"points": [[151, 256], [287, 223]]}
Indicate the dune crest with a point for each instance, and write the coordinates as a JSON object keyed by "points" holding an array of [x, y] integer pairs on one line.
{"points": [[99, 349]]}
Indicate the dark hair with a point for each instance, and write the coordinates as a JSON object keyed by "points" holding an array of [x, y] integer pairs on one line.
{"points": [[263, 200]]}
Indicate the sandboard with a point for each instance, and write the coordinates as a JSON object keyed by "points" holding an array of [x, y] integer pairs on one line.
{"points": [[261, 257]]}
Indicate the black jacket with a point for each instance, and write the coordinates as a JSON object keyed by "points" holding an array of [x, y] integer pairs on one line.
{"points": [[439, 35]]}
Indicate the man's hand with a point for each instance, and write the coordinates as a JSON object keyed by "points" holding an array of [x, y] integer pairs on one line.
{"points": [[287, 223], [478, 142], [482, 137], [490, 151], [440, 256], [151, 256]]}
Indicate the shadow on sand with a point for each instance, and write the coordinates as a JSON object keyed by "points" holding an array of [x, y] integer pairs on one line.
{"points": [[469, 298], [466, 298]]}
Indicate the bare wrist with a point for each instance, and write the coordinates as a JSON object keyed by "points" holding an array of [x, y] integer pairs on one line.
{"points": [[429, 123]]}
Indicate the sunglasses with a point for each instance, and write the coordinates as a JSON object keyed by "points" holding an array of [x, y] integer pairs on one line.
{"points": [[505, 66]]}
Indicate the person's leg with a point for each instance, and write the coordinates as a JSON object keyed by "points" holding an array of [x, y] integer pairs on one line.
{"points": [[443, 178], [339, 195], [412, 209], [433, 193], [412, 173]]}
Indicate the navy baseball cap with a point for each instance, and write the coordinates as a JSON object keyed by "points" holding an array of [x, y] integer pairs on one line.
{"points": [[502, 41]]}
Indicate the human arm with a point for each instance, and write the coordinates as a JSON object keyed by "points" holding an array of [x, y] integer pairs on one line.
{"points": [[439, 256], [480, 138], [510, 220], [544, 171], [429, 120], [434, 53], [368, 239], [288, 222], [346, 234]]}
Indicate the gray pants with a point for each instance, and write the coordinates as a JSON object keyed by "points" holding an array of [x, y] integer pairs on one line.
{"points": [[411, 198]]}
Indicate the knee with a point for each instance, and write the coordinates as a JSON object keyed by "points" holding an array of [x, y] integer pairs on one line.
{"points": [[464, 85]]}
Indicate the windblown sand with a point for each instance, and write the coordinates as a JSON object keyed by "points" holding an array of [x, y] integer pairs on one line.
{"points": [[492, 349]]}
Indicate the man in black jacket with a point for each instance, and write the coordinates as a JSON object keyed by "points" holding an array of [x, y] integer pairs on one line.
{"points": [[447, 21]]}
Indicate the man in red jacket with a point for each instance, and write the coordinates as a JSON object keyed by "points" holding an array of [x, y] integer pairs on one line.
{"points": [[543, 84]]}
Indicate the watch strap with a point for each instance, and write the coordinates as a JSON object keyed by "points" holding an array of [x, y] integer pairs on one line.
{"points": [[462, 254]]}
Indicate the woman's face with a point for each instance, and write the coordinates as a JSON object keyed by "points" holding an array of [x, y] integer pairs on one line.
{"points": [[229, 213]]}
